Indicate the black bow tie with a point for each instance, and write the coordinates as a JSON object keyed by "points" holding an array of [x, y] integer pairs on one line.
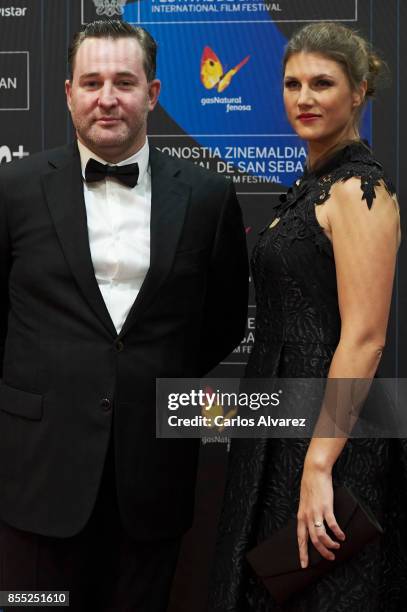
{"points": [[95, 171]]}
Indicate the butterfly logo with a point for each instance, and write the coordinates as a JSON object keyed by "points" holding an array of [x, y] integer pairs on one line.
{"points": [[212, 72]]}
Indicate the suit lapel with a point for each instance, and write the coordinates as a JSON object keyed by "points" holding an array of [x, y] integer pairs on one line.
{"points": [[64, 193], [169, 200]]}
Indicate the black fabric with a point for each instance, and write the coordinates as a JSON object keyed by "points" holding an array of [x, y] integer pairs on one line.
{"points": [[102, 567], [95, 171], [65, 366], [297, 331]]}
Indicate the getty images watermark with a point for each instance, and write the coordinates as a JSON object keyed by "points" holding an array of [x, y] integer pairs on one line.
{"points": [[220, 409], [284, 407]]}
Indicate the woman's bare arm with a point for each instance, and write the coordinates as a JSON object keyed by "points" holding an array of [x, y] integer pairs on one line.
{"points": [[365, 243]]}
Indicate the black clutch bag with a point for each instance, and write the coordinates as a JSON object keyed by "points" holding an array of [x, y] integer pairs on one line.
{"points": [[276, 560]]}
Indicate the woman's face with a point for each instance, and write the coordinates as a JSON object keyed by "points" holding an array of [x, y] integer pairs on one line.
{"points": [[318, 98]]}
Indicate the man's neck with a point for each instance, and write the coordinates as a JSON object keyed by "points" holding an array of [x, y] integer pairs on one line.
{"points": [[113, 157]]}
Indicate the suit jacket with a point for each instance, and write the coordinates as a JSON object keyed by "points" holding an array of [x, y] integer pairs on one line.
{"points": [[66, 370]]}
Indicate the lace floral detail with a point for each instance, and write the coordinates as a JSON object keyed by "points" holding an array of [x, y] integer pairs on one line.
{"points": [[296, 208]]}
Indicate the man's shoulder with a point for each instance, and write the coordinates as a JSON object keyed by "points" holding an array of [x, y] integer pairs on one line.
{"points": [[36, 163], [188, 170]]}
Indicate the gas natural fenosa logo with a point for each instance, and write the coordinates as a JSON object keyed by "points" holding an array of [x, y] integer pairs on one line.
{"points": [[213, 73]]}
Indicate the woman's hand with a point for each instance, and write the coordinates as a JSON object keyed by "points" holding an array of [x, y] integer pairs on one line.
{"points": [[316, 510]]}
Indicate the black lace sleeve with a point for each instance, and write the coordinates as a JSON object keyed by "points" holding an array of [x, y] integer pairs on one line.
{"points": [[370, 178], [355, 161]]}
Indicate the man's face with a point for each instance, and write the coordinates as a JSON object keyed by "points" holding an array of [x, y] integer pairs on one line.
{"points": [[109, 97]]}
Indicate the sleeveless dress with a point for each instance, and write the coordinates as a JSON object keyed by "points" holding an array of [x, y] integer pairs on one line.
{"points": [[297, 331]]}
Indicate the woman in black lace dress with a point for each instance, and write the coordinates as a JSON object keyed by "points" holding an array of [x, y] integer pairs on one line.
{"points": [[323, 272]]}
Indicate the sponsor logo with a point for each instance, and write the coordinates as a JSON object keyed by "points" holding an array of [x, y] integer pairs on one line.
{"points": [[14, 80], [13, 11], [7, 154], [109, 7], [213, 73], [215, 76]]}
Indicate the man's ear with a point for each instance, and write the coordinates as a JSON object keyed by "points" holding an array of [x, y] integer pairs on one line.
{"points": [[68, 91], [154, 88]]}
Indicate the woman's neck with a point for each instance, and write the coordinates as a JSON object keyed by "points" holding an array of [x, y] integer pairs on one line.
{"points": [[318, 149]]}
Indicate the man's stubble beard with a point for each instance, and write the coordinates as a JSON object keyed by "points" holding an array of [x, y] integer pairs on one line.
{"points": [[87, 133], [93, 136]]}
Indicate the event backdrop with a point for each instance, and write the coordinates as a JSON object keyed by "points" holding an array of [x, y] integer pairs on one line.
{"points": [[220, 107]]}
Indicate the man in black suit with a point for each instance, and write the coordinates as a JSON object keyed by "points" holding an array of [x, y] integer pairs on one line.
{"points": [[118, 265]]}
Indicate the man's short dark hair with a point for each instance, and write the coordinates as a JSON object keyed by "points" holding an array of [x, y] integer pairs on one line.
{"points": [[115, 28]]}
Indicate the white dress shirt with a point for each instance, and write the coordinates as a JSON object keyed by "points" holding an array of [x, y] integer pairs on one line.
{"points": [[118, 220]]}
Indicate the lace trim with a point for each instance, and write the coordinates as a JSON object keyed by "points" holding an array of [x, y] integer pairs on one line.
{"points": [[296, 208], [369, 180]]}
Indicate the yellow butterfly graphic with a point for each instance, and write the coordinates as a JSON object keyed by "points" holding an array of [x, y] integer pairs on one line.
{"points": [[212, 74]]}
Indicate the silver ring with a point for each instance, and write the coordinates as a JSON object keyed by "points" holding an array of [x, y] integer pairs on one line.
{"points": [[318, 524]]}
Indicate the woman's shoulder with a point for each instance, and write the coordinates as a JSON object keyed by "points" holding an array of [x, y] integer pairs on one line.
{"points": [[362, 196], [354, 173]]}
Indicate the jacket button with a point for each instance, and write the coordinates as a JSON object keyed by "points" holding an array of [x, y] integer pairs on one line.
{"points": [[105, 403], [119, 346]]}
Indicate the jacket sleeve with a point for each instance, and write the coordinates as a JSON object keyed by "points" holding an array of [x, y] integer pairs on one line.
{"points": [[4, 274], [227, 290]]}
